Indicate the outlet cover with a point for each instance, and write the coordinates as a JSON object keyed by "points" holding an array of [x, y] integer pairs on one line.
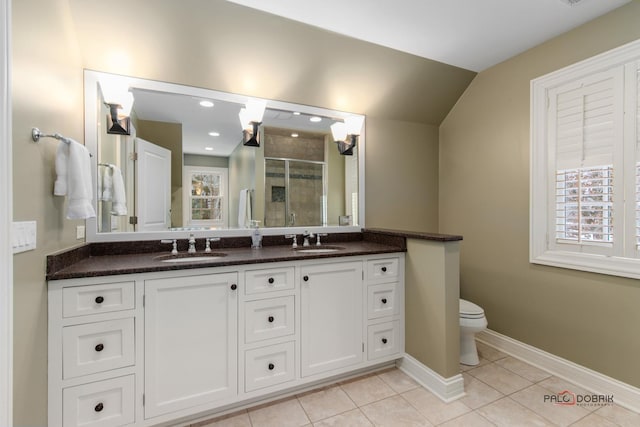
{"points": [[80, 231]]}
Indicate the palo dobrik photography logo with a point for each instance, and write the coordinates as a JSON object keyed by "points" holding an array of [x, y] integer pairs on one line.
{"points": [[568, 398]]}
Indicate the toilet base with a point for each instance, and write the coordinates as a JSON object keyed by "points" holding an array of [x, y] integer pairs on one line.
{"points": [[468, 350]]}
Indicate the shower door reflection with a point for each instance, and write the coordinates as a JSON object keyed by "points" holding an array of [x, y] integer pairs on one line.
{"points": [[295, 193]]}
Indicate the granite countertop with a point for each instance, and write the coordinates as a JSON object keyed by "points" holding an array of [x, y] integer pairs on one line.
{"points": [[105, 259]]}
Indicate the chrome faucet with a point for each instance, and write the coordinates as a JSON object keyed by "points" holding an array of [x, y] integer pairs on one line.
{"points": [[192, 244], [208, 243], [307, 236]]}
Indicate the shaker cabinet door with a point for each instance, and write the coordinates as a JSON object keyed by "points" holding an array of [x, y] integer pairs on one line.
{"points": [[190, 341], [331, 299]]}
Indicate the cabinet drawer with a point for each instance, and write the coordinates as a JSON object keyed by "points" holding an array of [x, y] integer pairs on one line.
{"points": [[97, 347], [269, 318], [386, 268], [382, 300], [101, 404], [267, 366], [83, 300], [384, 339], [267, 280]]}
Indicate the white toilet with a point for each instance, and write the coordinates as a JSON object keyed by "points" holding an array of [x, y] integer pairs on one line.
{"points": [[472, 321]]}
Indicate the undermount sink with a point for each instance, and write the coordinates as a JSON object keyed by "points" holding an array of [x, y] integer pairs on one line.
{"points": [[318, 249], [187, 257]]}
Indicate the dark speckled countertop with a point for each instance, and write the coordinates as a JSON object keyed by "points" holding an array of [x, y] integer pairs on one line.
{"points": [[104, 259]]}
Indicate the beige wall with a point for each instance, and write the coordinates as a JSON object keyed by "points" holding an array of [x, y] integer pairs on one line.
{"points": [[589, 319], [47, 93]]}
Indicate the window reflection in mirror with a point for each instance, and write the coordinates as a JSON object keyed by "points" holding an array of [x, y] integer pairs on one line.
{"points": [[184, 167]]}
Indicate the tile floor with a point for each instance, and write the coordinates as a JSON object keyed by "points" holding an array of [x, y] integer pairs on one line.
{"points": [[501, 391]]}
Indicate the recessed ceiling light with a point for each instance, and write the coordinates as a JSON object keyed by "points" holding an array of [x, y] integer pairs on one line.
{"points": [[214, 133], [315, 119], [294, 135], [207, 104], [208, 148], [296, 113]]}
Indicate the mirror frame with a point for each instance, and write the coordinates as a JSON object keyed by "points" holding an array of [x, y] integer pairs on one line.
{"points": [[91, 79]]}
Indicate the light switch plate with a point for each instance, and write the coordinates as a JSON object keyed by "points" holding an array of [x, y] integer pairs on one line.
{"points": [[23, 236], [80, 231]]}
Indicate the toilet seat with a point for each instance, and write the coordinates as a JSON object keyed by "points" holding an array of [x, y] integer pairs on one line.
{"points": [[469, 310]]}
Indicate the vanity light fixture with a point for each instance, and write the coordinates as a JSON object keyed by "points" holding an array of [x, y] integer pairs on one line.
{"points": [[346, 133], [251, 119], [120, 102], [294, 135]]}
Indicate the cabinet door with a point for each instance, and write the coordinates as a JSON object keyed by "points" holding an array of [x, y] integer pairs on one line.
{"points": [[331, 297], [190, 341]]}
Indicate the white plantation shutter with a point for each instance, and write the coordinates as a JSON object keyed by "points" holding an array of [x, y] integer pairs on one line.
{"points": [[585, 128], [583, 119]]}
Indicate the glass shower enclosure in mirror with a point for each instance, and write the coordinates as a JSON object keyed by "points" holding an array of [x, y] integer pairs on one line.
{"points": [[183, 167]]}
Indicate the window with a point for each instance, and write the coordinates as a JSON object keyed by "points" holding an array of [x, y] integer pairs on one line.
{"points": [[585, 165], [205, 200]]}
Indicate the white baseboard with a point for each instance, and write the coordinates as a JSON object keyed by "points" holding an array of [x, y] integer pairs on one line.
{"points": [[447, 389], [623, 394]]}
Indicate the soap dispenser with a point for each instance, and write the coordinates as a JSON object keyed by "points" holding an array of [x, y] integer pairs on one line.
{"points": [[256, 236]]}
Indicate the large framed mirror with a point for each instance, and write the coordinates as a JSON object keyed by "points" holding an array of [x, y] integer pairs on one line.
{"points": [[183, 164]]}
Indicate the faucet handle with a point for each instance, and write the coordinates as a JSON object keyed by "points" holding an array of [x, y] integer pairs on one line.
{"points": [[318, 235], [295, 240], [174, 249], [208, 243]]}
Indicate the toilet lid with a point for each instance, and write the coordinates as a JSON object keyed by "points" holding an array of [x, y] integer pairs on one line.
{"points": [[469, 310]]}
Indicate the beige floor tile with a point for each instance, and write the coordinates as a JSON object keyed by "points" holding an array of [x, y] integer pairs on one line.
{"points": [[286, 413], [594, 420], [367, 390], [433, 408], [353, 418], [508, 413], [478, 393], [482, 361], [533, 398], [398, 380], [472, 419], [501, 379], [394, 411], [240, 419], [325, 403], [487, 352], [619, 415], [523, 369]]}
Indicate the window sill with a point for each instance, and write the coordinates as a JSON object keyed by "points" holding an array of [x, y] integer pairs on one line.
{"points": [[610, 265]]}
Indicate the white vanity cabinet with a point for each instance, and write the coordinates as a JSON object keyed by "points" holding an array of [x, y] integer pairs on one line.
{"points": [[190, 341], [171, 347], [331, 296]]}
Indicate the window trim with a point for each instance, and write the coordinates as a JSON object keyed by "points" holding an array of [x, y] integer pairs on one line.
{"points": [[540, 251]]}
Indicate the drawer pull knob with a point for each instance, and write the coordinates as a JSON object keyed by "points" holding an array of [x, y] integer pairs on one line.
{"points": [[271, 280], [305, 278], [234, 287], [99, 300], [271, 366], [384, 269], [384, 340], [99, 407], [271, 319], [99, 347], [384, 300]]}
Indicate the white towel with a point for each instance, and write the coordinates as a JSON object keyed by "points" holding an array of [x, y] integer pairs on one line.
{"points": [[73, 170], [244, 209], [119, 206]]}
